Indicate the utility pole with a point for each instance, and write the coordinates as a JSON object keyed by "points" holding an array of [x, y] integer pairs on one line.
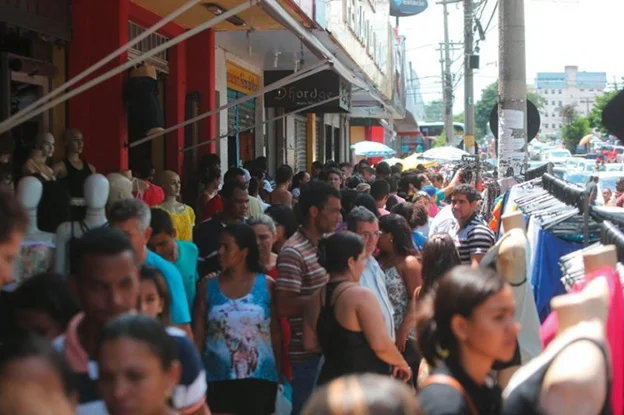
{"points": [[447, 82], [469, 110], [512, 88]]}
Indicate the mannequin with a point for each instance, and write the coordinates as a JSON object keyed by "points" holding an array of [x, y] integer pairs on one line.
{"points": [[36, 165], [120, 188], [74, 167], [576, 372], [37, 251], [96, 190], [183, 216], [511, 256]]}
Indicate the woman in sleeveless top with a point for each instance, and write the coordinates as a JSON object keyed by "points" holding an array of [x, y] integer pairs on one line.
{"points": [[401, 266], [464, 325], [344, 320], [236, 328]]}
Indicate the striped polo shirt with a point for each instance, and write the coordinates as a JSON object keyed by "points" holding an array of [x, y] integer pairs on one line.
{"points": [[188, 396], [299, 271], [475, 238]]}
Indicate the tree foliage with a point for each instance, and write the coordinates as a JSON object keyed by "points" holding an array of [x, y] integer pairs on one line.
{"points": [[489, 98], [595, 116], [458, 117], [434, 111], [574, 131]]}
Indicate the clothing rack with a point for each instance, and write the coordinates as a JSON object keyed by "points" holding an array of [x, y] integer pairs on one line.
{"points": [[538, 172], [569, 194], [612, 235]]}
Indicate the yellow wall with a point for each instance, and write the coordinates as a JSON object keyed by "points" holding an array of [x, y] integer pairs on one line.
{"points": [[357, 134]]}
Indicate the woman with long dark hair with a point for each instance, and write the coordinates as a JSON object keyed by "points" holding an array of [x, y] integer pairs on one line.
{"points": [[344, 320], [438, 257], [401, 265], [464, 325], [236, 328], [298, 181], [154, 299]]}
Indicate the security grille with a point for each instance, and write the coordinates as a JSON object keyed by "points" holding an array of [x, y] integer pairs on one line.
{"points": [[159, 61]]}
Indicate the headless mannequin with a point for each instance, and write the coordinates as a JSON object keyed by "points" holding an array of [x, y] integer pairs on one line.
{"points": [[36, 163], [96, 189], [74, 145], [146, 71], [120, 188], [512, 264], [183, 216], [37, 252], [575, 381]]}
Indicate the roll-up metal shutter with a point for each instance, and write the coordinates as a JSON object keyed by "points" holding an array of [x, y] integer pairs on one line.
{"points": [[301, 140]]}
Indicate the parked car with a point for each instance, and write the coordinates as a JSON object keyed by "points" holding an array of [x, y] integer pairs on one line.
{"points": [[535, 149], [557, 156]]}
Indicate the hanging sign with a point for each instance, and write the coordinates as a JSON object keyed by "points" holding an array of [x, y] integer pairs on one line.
{"points": [[308, 91], [241, 80], [402, 8]]}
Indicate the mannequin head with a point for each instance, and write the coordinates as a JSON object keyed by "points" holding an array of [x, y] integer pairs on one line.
{"points": [[590, 304], [45, 144], [511, 258], [171, 183], [29, 192], [74, 142], [120, 188], [96, 189]]}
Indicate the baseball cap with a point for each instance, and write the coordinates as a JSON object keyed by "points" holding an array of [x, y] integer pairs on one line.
{"points": [[267, 186], [430, 190]]}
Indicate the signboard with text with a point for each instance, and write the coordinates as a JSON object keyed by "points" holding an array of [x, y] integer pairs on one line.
{"points": [[241, 80], [309, 91], [401, 8]]}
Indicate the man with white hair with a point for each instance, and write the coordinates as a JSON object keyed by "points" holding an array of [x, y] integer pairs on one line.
{"points": [[133, 217]]}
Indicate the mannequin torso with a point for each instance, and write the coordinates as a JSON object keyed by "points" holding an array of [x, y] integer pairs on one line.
{"points": [[36, 163], [575, 365], [183, 216], [96, 190], [37, 250], [74, 168]]}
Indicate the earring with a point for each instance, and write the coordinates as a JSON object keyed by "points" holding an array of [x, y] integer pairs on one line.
{"points": [[442, 353]]}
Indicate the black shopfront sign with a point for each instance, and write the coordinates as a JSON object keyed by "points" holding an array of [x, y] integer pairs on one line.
{"points": [[308, 91], [48, 17]]}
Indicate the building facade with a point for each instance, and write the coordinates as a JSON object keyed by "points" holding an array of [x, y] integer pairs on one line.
{"points": [[569, 88]]}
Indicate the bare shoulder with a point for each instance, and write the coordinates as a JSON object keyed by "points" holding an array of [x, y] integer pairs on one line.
{"points": [[412, 262]]}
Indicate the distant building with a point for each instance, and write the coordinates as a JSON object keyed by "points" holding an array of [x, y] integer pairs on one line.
{"points": [[561, 89]]}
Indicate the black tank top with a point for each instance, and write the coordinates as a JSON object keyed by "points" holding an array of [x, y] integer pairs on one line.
{"points": [[524, 399], [345, 351], [76, 178]]}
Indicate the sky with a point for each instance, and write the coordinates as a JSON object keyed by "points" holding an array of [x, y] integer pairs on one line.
{"points": [[558, 33]]}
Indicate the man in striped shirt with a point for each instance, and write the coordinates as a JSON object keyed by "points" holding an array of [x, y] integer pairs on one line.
{"points": [[473, 238], [299, 275]]}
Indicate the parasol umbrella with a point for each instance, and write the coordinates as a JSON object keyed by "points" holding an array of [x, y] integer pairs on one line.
{"points": [[410, 162], [585, 140], [372, 149], [444, 153], [392, 161]]}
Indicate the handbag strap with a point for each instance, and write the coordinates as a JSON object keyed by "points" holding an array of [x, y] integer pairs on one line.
{"points": [[440, 379]]}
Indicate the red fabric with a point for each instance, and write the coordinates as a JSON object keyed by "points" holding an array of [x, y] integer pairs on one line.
{"points": [[154, 195], [433, 210], [615, 331], [214, 206], [285, 328]]}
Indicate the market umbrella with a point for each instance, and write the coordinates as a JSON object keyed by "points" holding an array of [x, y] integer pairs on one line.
{"points": [[444, 153], [392, 161], [372, 149], [410, 162], [586, 139]]}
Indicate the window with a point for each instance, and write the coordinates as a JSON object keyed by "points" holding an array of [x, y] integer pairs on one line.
{"points": [[559, 125], [560, 103], [560, 92], [546, 115], [582, 90], [591, 90], [546, 125], [553, 91], [554, 103], [554, 114]]}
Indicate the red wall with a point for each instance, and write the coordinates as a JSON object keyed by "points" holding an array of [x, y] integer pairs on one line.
{"points": [[375, 133], [99, 28]]}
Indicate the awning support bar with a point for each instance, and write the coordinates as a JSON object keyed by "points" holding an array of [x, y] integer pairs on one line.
{"points": [[91, 69], [316, 104], [318, 67], [139, 59]]}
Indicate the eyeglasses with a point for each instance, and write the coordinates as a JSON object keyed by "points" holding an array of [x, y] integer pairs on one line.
{"points": [[369, 235]]}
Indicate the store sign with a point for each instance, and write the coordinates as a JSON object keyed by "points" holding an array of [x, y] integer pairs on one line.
{"points": [[309, 91], [48, 17], [401, 8], [241, 80]]}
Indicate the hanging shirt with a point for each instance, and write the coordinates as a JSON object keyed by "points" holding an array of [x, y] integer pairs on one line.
{"points": [[615, 335], [238, 334]]}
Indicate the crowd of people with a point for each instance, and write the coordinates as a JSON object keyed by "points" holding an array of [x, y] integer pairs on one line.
{"points": [[351, 286]]}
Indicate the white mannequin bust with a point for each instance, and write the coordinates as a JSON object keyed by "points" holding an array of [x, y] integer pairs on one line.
{"points": [[575, 381], [120, 188], [96, 190], [37, 252]]}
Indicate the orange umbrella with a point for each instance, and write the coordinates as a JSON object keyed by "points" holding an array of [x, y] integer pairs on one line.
{"points": [[585, 140]]}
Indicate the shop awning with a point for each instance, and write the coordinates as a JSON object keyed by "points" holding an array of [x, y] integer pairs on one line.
{"points": [[407, 124]]}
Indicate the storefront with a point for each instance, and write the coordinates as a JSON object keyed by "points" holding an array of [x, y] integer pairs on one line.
{"points": [[241, 117]]}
